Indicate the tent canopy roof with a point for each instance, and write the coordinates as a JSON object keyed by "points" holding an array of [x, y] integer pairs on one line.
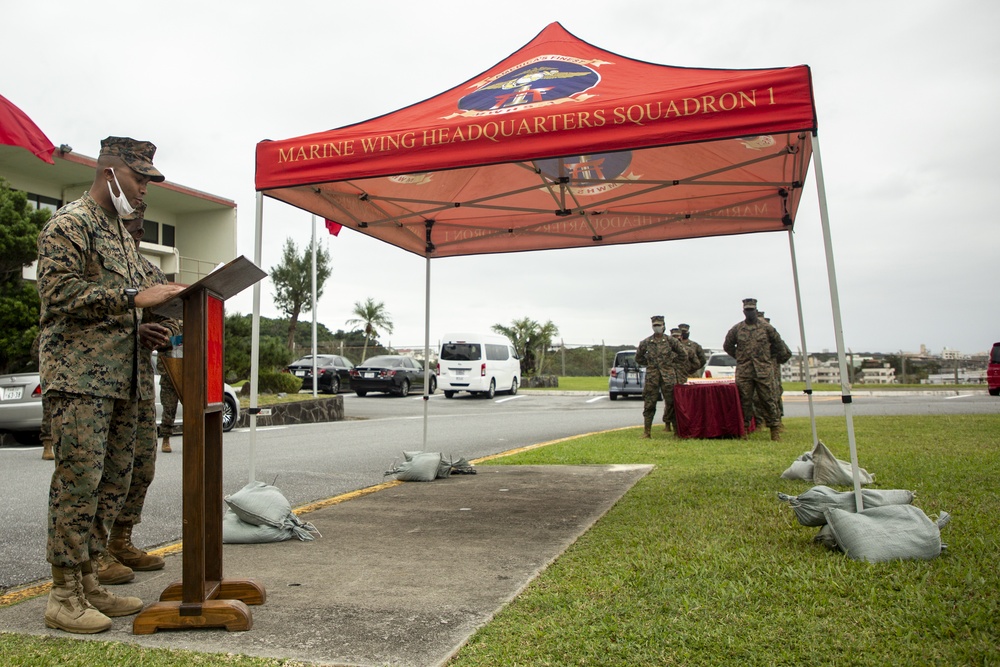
{"points": [[562, 145]]}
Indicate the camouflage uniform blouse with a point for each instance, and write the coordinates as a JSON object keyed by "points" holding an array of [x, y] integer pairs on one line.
{"points": [[89, 342], [660, 356], [153, 276], [755, 348]]}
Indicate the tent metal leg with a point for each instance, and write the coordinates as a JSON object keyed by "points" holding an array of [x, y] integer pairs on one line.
{"points": [[255, 338], [838, 327], [427, 345], [802, 336]]}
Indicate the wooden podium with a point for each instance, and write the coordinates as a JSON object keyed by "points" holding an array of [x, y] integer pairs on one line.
{"points": [[204, 598]]}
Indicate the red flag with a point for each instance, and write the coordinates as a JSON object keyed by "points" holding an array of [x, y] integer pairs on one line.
{"points": [[333, 227], [16, 129]]}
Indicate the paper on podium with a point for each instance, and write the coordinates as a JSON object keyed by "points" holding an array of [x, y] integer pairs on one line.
{"points": [[225, 281]]}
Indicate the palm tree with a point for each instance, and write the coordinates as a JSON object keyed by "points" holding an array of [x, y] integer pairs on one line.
{"points": [[522, 333], [374, 318], [543, 337]]}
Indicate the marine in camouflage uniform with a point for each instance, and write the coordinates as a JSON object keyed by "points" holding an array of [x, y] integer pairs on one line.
{"points": [[88, 276], [756, 345], [154, 332], [660, 355], [699, 351], [168, 401]]}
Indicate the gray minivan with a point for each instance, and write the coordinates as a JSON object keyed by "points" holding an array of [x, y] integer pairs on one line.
{"points": [[627, 377]]}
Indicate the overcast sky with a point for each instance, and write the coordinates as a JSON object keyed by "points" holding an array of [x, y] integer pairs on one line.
{"points": [[907, 94]]}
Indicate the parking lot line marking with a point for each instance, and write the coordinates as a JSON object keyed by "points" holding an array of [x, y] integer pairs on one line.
{"points": [[509, 398], [596, 398]]}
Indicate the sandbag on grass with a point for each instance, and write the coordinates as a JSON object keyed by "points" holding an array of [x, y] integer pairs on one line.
{"points": [[810, 507], [830, 470], [893, 532]]}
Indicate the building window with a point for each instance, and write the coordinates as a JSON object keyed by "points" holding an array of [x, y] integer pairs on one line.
{"points": [[157, 232], [150, 231], [42, 202], [167, 235]]}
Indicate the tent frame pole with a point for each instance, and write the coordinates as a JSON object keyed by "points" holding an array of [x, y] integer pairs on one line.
{"points": [[845, 384], [255, 339], [427, 344], [802, 337], [315, 370]]}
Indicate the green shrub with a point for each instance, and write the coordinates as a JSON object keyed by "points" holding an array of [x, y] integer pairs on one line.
{"points": [[269, 382]]}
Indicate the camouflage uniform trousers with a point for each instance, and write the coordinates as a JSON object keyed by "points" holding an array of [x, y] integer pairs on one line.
{"points": [[655, 387], [757, 392], [93, 440], [45, 432], [779, 402], [168, 399], [144, 465]]}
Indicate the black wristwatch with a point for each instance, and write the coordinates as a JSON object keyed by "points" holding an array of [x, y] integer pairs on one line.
{"points": [[130, 292]]}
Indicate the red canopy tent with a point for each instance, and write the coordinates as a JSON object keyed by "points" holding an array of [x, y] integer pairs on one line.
{"points": [[564, 145]]}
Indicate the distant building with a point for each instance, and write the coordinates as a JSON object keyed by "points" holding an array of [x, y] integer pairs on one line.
{"points": [[883, 374]]}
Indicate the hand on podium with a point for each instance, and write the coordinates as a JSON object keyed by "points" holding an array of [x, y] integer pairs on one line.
{"points": [[157, 294]]}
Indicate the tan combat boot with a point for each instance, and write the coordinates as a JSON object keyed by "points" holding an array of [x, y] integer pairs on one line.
{"points": [[110, 571], [775, 433], [47, 453], [107, 602], [68, 608], [166, 445], [120, 546]]}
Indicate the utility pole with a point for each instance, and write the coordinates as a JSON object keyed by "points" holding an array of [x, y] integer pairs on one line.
{"points": [[562, 353]]}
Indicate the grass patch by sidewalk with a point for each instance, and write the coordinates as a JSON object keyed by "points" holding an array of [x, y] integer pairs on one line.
{"points": [[699, 564]]}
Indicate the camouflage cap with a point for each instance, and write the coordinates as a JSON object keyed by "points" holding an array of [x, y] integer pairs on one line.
{"points": [[749, 303], [684, 327], [138, 155], [657, 319], [675, 330], [139, 212]]}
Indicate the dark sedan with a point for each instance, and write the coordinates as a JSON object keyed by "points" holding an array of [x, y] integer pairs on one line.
{"points": [[334, 372], [391, 374]]}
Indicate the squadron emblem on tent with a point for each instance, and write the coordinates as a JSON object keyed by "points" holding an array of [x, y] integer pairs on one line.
{"points": [[539, 82], [590, 175]]}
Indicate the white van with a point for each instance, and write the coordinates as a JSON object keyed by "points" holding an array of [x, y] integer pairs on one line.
{"points": [[481, 364]]}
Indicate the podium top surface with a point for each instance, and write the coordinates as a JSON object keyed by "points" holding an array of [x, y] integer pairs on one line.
{"points": [[226, 281]]}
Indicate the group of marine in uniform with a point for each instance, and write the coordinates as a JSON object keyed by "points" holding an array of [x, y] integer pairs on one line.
{"points": [[759, 352]]}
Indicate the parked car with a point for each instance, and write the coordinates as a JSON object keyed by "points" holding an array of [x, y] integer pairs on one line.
{"points": [[627, 377], [720, 365], [993, 371], [334, 372], [391, 374], [481, 364], [21, 406], [230, 407]]}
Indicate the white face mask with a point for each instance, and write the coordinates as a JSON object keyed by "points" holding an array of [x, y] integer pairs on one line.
{"points": [[658, 328], [120, 201]]}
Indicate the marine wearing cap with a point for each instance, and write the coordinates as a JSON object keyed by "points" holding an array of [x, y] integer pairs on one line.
{"points": [[137, 155], [749, 303], [657, 319]]}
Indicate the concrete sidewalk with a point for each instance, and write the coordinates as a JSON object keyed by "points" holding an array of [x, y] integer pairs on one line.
{"points": [[403, 576]]}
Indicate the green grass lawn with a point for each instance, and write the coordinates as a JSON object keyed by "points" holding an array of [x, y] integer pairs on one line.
{"points": [[700, 564]]}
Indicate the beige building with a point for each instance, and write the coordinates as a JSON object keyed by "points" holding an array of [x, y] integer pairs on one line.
{"points": [[187, 232]]}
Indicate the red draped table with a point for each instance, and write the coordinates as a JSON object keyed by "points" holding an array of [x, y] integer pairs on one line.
{"points": [[708, 410]]}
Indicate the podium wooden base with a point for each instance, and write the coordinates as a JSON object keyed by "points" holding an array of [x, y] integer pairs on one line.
{"points": [[225, 606]]}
